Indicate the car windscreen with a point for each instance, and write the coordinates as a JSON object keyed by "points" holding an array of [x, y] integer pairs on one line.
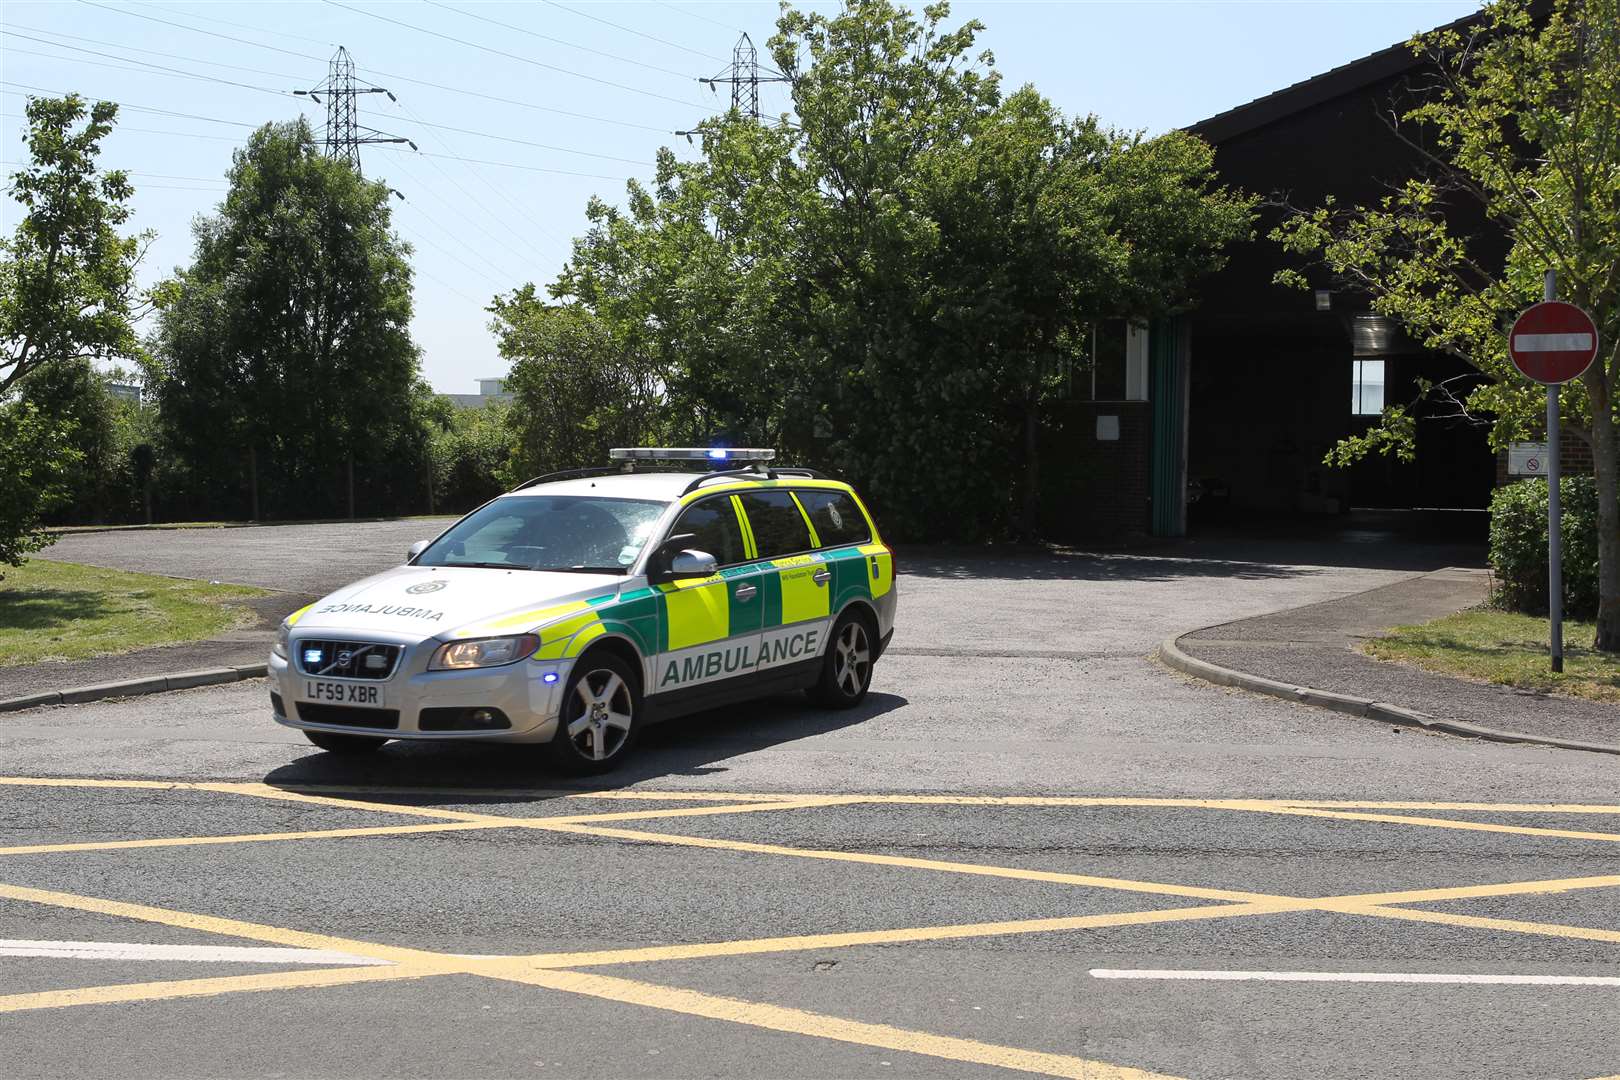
{"points": [[549, 532]]}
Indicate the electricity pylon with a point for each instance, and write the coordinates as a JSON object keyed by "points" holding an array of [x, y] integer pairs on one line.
{"points": [[743, 75], [344, 133]]}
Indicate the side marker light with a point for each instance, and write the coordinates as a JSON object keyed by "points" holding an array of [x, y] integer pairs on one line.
{"points": [[550, 676]]}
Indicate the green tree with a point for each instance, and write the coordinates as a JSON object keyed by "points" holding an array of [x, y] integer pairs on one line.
{"points": [[67, 285], [1523, 122], [886, 286], [283, 352], [67, 277], [472, 455], [35, 457], [75, 396], [577, 388]]}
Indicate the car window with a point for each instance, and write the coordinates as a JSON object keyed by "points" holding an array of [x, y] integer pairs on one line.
{"points": [[778, 527], [549, 532], [714, 528], [837, 519]]}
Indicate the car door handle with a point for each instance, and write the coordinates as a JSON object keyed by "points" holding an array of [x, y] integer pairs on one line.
{"points": [[822, 576], [745, 592]]}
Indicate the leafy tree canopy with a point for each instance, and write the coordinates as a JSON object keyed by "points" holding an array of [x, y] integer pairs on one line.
{"points": [[287, 340], [67, 277], [1522, 124], [887, 284]]}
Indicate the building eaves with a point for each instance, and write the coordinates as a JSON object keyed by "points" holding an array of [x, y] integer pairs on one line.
{"points": [[1335, 83]]}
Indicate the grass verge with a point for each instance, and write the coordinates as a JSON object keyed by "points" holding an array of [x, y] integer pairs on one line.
{"points": [[65, 611], [1505, 648]]}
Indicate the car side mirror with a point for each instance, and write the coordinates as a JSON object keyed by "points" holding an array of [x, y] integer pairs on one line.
{"points": [[661, 565], [416, 549], [692, 563]]}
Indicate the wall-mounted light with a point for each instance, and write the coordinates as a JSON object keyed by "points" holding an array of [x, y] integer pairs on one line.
{"points": [[1324, 300]]}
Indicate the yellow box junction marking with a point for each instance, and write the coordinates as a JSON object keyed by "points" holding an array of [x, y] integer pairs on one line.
{"points": [[559, 971]]}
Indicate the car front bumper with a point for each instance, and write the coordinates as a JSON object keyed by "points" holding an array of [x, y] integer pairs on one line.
{"points": [[520, 691]]}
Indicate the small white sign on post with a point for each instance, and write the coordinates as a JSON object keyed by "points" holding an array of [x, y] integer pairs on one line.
{"points": [[1527, 459]]}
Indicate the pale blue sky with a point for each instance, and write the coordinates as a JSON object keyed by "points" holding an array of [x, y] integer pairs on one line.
{"points": [[485, 225]]}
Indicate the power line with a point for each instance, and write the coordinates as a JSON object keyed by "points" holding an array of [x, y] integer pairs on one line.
{"points": [[401, 162], [513, 203], [157, 68], [200, 30], [629, 30], [415, 119], [558, 41], [149, 52], [705, 18], [501, 52], [514, 101], [242, 26], [446, 251], [525, 168], [239, 123], [131, 172], [377, 71], [526, 142]]}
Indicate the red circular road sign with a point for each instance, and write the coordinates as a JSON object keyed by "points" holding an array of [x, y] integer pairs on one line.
{"points": [[1553, 342]]}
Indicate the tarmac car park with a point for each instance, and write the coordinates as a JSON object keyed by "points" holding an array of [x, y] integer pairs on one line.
{"points": [[582, 606]]}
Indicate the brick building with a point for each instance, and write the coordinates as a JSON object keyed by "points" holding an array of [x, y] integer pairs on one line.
{"points": [[1239, 401]]}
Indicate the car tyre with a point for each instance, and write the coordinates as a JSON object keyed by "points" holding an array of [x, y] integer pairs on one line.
{"points": [[599, 719], [334, 743], [846, 670]]}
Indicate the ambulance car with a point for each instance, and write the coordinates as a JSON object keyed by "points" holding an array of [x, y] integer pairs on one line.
{"points": [[581, 607]]}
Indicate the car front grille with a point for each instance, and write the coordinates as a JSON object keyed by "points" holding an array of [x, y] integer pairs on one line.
{"points": [[348, 716], [347, 659]]}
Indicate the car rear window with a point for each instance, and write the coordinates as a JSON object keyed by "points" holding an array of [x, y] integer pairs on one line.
{"points": [[837, 519], [778, 527]]}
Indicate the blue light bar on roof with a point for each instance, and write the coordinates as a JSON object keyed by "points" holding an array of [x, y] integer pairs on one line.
{"points": [[690, 453]]}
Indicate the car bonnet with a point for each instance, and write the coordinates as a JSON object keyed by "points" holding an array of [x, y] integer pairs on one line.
{"points": [[447, 602]]}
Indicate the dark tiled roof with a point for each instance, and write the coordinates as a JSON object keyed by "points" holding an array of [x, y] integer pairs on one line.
{"points": [[1342, 80]]}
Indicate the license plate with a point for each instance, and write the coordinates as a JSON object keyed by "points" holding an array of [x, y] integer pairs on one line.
{"points": [[342, 693]]}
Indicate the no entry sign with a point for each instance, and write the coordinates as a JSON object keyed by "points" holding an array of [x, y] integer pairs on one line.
{"points": [[1553, 342]]}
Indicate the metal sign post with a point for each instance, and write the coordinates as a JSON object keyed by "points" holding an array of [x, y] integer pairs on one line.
{"points": [[1553, 343], [1555, 511]]}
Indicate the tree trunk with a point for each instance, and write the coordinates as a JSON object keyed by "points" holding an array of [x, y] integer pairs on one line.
{"points": [[1606, 466], [146, 498], [253, 478], [351, 487]]}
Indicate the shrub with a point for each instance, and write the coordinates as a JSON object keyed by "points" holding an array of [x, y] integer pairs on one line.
{"points": [[1519, 546]]}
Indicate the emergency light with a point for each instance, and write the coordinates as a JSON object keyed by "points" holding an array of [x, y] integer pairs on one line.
{"points": [[690, 453]]}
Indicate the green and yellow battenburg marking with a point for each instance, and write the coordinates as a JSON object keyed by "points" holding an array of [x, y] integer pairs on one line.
{"points": [[695, 611]]}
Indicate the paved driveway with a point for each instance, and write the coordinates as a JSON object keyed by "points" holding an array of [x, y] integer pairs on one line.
{"points": [[1032, 851], [308, 559]]}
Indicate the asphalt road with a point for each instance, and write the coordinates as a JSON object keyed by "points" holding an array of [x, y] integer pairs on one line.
{"points": [[989, 870]]}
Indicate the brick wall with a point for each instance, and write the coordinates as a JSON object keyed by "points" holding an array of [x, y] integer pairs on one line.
{"points": [[1092, 488], [1574, 458]]}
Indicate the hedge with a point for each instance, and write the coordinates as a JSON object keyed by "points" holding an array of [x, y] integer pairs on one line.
{"points": [[1519, 546]]}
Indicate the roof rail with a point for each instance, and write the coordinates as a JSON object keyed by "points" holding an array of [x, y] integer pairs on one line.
{"points": [[752, 474]]}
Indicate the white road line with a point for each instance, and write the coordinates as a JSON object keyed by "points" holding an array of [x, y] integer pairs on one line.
{"points": [[1359, 976], [234, 954]]}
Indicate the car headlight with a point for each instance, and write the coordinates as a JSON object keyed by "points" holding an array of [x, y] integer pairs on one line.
{"points": [[283, 638], [484, 652]]}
